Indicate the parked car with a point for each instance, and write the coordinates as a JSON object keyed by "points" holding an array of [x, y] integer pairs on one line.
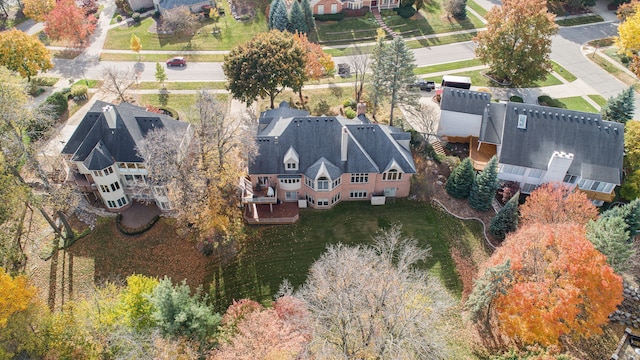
{"points": [[344, 70], [423, 85], [176, 61]]}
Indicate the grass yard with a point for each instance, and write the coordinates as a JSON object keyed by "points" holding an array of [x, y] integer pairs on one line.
{"points": [[599, 99], [176, 103], [196, 85], [430, 69], [91, 84], [161, 58], [233, 33], [479, 9], [576, 103], [613, 70], [275, 253], [563, 72], [590, 19]]}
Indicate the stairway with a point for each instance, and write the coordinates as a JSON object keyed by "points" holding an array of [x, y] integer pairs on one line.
{"points": [[387, 29], [437, 147]]}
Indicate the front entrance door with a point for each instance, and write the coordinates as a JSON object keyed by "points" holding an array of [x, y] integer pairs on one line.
{"points": [[374, 3]]}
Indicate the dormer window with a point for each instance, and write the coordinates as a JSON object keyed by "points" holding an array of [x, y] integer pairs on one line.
{"points": [[393, 172], [291, 160], [323, 183]]}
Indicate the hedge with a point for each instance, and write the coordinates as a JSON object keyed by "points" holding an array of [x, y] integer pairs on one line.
{"points": [[329, 17], [128, 231]]}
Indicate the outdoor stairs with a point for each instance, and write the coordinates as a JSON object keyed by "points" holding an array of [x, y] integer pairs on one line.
{"points": [[385, 27], [437, 147]]}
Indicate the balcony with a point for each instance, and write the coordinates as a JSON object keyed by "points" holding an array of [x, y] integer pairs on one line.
{"points": [[262, 195], [261, 214]]}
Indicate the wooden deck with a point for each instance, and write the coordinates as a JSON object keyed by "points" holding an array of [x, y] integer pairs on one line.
{"points": [[285, 213], [480, 157]]}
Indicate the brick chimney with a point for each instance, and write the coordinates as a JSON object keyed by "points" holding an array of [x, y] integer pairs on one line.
{"points": [[361, 108]]}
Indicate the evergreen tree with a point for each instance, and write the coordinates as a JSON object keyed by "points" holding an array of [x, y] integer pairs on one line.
{"points": [[459, 183], [393, 66], [492, 283], [297, 21], [630, 213], [610, 236], [506, 220], [621, 108], [279, 20], [485, 186], [272, 9], [308, 15]]}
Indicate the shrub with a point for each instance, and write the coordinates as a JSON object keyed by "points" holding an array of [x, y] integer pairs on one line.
{"points": [[329, 17], [136, 16], [36, 91], [322, 108], [406, 12], [350, 113], [516, 98], [79, 91], [156, 14], [349, 103], [58, 103]]}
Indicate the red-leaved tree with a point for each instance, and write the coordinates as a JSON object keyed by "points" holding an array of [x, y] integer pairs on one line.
{"points": [[554, 203], [68, 22], [560, 284], [258, 333]]}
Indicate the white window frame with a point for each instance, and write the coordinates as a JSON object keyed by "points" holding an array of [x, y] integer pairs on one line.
{"points": [[290, 196], [392, 175], [512, 169], [359, 178], [320, 9], [334, 8], [358, 194], [535, 173]]}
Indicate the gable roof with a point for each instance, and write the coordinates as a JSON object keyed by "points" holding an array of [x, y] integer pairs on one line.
{"points": [[95, 144], [492, 123], [464, 101], [317, 140], [597, 145]]}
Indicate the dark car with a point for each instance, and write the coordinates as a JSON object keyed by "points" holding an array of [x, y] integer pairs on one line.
{"points": [[177, 61], [423, 85], [344, 70]]}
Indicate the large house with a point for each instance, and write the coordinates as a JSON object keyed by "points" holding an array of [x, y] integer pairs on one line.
{"points": [[103, 158], [536, 144], [319, 161], [321, 7]]}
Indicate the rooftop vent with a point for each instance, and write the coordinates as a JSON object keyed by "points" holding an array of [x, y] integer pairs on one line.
{"points": [[522, 121]]}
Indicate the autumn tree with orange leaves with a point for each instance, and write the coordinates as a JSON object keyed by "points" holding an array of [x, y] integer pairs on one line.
{"points": [[318, 62], [559, 285], [69, 22], [555, 203]]}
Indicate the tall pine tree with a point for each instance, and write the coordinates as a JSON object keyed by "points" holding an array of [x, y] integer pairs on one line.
{"points": [[485, 186], [610, 236], [506, 220], [308, 15], [278, 17], [297, 21], [459, 183], [621, 108], [393, 66], [630, 213]]}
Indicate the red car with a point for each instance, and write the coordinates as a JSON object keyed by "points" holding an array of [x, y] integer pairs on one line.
{"points": [[177, 61]]}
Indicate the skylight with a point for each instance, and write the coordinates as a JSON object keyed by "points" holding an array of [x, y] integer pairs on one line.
{"points": [[522, 121]]}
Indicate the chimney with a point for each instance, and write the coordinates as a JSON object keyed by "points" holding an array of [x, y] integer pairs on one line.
{"points": [[343, 144], [558, 166], [361, 109], [110, 115]]}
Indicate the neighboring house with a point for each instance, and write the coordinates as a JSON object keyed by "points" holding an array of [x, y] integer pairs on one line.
{"points": [[321, 7], [319, 161], [102, 154], [194, 6], [539, 144]]}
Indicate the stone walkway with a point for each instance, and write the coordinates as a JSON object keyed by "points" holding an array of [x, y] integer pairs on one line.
{"points": [[385, 27]]}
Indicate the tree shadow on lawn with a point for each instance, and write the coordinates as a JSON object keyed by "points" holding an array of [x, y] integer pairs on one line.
{"points": [[158, 252]]}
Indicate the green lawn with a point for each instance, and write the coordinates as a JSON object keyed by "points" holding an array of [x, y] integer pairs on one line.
{"points": [[580, 20], [274, 253], [430, 69], [161, 58], [181, 104], [563, 72], [600, 100], [196, 85], [613, 70], [233, 33], [479, 9], [571, 103]]}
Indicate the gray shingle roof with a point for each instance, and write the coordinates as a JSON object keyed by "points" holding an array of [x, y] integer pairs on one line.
{"points": [[132, 124], [464, 101], [196, 5], [597, 145], [99, 158], [370, 147], [493, 123]]}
